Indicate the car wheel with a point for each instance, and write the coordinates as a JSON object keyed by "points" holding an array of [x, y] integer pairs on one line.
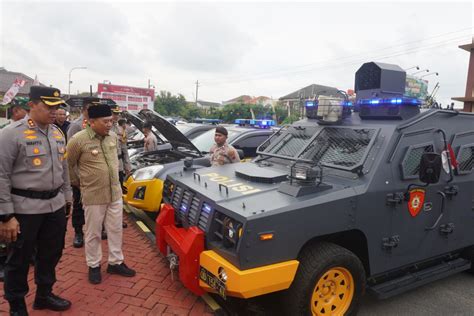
{"points": [[330, 281]]}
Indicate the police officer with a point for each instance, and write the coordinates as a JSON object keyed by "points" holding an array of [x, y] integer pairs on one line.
{"points": [[221, 152], [77, 211], [122, 150], [16, 111], [35, 197]]}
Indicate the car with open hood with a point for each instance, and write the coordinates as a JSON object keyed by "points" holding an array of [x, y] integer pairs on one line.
{"points": [[144, 187]]}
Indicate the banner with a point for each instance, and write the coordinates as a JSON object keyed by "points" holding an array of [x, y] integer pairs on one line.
{"points": [[416, 88], [128, 98], [11, 93]]}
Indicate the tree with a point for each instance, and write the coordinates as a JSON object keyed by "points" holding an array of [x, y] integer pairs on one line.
{"points": [[168, 104]]}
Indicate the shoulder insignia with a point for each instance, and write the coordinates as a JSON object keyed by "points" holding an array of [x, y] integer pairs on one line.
{"points": [[31, 124], [84, 123], [57, 132]]}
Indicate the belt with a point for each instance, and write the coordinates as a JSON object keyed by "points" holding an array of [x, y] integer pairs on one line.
{"points": [[41, 195]]}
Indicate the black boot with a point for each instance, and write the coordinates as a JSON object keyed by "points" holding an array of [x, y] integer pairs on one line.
{"points": [[51, 302], [18, 308], [78, 239]]}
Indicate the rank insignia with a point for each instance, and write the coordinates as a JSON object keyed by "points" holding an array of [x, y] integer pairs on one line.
{"points": [[31, 124], [415, 202]]}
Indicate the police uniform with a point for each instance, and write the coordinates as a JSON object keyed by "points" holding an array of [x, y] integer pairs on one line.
{"points": [[221, 155], [122, 150], [34, 188]]}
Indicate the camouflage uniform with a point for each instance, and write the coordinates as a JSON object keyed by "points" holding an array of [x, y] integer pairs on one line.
{"points": [[221, 155]]}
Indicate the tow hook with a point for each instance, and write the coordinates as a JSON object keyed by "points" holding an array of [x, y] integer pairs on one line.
{"points": [[174, 263]]}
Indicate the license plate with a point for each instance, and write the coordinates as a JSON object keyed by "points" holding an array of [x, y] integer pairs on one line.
{"points": [[211, 280]]}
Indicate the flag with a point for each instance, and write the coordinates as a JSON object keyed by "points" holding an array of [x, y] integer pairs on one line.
{"points": [[11, 93], [448, 155], [36, 82]]}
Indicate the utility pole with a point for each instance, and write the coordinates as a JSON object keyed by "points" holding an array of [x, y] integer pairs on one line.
{"points": [[197, 88], [148, 83]]}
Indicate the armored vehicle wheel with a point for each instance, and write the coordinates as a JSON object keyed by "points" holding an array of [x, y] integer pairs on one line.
{"points": [[330, 281]]}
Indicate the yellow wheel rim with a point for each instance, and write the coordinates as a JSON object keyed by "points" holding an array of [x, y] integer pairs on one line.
{"points": [[333, 292]]}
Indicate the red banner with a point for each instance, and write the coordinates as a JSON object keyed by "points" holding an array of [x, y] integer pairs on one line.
{"points": [[128, 98]]}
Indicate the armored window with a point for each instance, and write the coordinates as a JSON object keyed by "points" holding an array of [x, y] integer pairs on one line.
{"points": [[341, 148], [411, 162], [289, 142], [465, 159]]}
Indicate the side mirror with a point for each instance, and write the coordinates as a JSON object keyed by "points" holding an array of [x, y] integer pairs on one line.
{"points": [[430, 168], [241, 153]]}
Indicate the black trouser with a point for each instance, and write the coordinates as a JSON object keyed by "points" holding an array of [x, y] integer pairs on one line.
{"points": [[46, 232], [78, 219], [121, 179]]}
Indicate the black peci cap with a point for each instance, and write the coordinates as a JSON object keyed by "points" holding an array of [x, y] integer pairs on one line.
{"points": [[99, 110]]}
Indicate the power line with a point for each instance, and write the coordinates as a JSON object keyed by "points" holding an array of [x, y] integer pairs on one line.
{"points": [[354, 61], [311, 65]]}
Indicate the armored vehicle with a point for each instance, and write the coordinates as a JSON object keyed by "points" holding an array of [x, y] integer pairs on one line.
{"points": [[145, 186], [380, 201]]}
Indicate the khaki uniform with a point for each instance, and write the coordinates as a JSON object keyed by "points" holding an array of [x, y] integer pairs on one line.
{"points": [[122, 150], [32, 160], [223, 155], [150, 143], [95, 159]]}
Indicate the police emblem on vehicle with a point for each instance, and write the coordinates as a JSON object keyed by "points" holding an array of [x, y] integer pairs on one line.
{"points": [[416, 201]]}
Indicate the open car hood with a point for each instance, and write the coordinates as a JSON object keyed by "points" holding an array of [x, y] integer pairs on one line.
{"points": [[168, 130], [138, 122]]}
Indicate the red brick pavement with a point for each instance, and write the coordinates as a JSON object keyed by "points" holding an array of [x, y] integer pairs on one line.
{"points": [[150, 292]]}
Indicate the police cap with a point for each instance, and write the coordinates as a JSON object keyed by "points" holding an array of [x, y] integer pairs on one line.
{"points": [[49, 96], [221, 130]]}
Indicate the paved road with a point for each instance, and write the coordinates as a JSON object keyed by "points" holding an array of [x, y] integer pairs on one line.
{"points": [[453, 296]]}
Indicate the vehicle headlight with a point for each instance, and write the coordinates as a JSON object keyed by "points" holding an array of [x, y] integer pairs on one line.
{"points": [[230, 231], [147, 173]]}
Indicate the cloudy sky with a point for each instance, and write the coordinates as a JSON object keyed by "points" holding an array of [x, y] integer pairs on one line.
{"points": [[233, 48]]}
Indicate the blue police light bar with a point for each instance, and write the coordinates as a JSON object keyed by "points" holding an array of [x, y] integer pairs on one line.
{"points": [[398, 101], [255, 123]]}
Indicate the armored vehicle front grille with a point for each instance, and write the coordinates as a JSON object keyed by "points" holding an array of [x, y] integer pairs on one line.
{"points": [[204, 216], [184, 207], [177, 197], [193, 211]]}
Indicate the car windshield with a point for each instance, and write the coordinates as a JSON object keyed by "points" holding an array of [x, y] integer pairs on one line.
{"points": [[205, 141], [183, 128]]}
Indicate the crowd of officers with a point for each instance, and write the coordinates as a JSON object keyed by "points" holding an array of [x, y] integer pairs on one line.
{"points": [[50, 167]]}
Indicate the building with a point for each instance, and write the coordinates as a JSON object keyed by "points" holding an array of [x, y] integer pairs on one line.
{"points": [[468, 98], [295, 100], [128, 98], [8, 77], [247, 99], [207, 105]]}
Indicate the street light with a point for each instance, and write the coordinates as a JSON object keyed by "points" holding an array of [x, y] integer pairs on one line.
{"points": [[433, 73], [417, 68], [69, 83], [427, 70]]}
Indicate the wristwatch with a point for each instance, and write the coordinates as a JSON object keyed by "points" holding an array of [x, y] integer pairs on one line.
{"points": [[6, 218]]}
